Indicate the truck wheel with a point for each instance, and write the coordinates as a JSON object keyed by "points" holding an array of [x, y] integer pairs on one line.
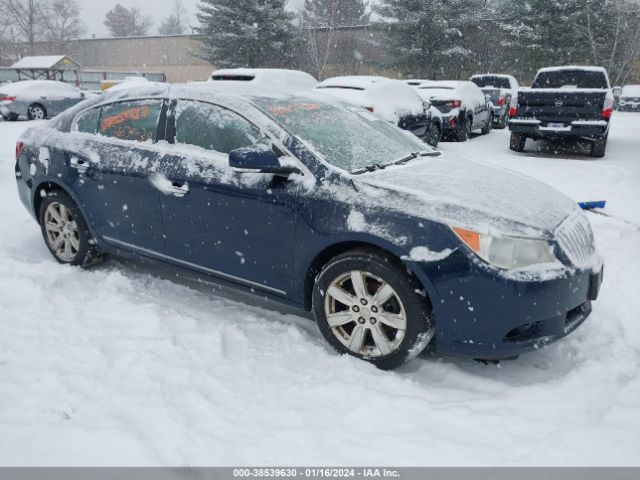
{"points": [[598, 147], [517, 142]]}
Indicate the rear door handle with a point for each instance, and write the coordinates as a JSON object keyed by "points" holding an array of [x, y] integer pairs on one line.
{"points": [[79, 164]]}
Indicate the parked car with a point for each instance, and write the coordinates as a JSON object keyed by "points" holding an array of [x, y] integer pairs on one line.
{"points": [[320, 206], [272, 79], [564, 103], [391, 99], [502, 90], [37, 99], [463, 106], [630, 98]]}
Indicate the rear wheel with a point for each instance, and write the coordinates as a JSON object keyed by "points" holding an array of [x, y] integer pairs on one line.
{"points": [[464, 133], [434, 135], [599, 147], [517, 142], [366, 306], [65, 232], [37, 112]]}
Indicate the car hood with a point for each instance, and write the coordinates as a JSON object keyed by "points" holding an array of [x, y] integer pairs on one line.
{"points": [[470, 195]]}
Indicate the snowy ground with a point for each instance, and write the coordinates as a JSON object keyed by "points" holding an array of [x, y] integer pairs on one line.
{"points": [[117, 367]]}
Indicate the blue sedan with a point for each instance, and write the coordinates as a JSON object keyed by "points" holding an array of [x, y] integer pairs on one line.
{"points": [[321, 206]]}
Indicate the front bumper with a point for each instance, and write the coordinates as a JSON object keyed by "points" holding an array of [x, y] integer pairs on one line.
{"points": [[483, 315], [536, 129]]}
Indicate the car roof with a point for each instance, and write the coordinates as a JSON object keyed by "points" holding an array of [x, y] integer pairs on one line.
{"points": [[25, 84], [353, 81], [584, 68]]}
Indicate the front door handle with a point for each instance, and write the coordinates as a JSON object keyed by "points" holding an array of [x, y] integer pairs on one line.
{"points": [[178, 190]]}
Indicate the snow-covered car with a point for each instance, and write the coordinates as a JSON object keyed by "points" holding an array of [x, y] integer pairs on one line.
{"points": [[464, 107], [37, 99], [629, 99], [262, 79], [320, 206], [502, 89], [393, 100]]}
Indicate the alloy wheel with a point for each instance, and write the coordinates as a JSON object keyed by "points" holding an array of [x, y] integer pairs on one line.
{"points": [[36, 112], [365, 314], [62, 232]]}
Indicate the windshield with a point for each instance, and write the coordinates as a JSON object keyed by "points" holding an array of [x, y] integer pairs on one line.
{"points": [[348, 137], [491, 81], [570, 79]]}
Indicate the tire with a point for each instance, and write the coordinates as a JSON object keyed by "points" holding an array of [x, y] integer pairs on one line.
{"points": [[517, 142], [599, 147], [61, 221], [386, 334], [464, 133], [434, 135], [37, 112], [488, 126]]}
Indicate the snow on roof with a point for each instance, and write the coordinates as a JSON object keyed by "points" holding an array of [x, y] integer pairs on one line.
{"points": [[631, 91], [60, 62], [573, 67], [273, 78], [353, 81]]}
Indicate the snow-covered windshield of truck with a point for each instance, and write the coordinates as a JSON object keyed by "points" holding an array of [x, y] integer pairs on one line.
{"points": [[571, 79], [348, 137]]}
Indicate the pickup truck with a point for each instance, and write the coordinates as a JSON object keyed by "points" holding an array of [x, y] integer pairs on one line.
{"points": [[564, 103]]}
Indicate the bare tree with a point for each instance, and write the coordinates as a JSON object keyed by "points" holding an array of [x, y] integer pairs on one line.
{"points": [[127, 22], [176, 23], [62, 22], [27, 17]]}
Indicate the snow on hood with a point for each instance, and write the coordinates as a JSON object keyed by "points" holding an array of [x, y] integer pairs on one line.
{"points": [[473, 196]]}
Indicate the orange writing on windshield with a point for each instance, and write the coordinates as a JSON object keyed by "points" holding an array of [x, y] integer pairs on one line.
{"points": [[137, 113]]}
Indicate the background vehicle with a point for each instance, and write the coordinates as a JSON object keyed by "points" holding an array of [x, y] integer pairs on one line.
{"points": [[629, 99], [564, 103], [326, 208], [272, 79], [37, 99], [464, 107], [502, 89], [393, 100]]}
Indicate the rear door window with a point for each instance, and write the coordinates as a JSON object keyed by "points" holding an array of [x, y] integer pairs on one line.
{"points": [[214, 128], [134, 120]]}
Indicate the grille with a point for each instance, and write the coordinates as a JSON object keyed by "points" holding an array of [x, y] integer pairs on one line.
{"points": [[576, 240]]}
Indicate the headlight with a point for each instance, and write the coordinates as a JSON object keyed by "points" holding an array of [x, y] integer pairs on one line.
{"points": [[507, 252]]}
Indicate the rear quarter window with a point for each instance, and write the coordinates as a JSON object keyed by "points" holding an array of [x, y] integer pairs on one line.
{"points": [[134, 120], [88, 121]]}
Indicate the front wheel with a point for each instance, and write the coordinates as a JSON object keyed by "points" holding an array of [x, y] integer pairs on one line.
{"points": [[36, 112], [65, 232], [367, 306], [488, 126]]}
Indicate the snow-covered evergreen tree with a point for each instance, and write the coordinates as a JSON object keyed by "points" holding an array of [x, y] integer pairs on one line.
{"points": [[334, 13], [246, 33]]}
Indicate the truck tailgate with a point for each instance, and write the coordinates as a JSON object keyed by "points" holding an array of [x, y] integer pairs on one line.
{"points": [[563, 106]]}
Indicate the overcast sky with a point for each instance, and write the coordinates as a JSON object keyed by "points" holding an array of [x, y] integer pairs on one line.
{"points": [[93, 12]]}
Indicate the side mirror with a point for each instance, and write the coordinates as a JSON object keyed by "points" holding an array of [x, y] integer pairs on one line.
{"points": [[487, 98], [617, 91], [82, 95], [259, 159]]}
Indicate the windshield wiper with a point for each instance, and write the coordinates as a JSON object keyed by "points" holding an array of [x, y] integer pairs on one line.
{"points": [[403, 160]]}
